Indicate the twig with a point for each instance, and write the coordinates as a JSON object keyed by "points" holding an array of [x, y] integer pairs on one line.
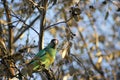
{"points": [[57, 23], [96, 37], [28, 26], [11, 36], [26, 47], [89, 54], [117, 3], [80, 63], [49, 74], [36, 5]]}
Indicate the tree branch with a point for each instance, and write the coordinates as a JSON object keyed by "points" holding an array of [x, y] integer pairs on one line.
{"points": [[42, 20], [42, 11], [57, 23], [80, 63], [89, 54], [11, 37], [28, 26]]}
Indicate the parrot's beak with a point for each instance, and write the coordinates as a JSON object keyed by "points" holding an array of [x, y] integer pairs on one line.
{"points": [[56, 41]]}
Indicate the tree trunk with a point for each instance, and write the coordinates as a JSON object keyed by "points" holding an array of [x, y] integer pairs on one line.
{"points": [[11, 37], [42, 20]]}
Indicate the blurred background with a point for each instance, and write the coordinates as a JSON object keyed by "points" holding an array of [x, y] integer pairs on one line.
{"points": [[88, 32]]}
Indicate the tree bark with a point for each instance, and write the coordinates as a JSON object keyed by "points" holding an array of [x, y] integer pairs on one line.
{"points": [[10, 37], [42, 20]]}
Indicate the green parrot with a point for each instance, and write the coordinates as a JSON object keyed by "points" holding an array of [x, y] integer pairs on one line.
{"points": [[45, 56]]}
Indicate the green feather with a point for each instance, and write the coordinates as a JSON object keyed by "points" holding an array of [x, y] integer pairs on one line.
{"points": [[45, 56]]}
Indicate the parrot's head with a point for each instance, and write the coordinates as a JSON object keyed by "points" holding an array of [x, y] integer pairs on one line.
{"points": [[53, 43]]}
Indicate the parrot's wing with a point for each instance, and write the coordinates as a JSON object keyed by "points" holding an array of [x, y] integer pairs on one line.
{"points": [[35, 61], [41, 53]]}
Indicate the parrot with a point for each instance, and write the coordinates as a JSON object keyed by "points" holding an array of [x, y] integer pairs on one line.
{"points": [[45, 56]]}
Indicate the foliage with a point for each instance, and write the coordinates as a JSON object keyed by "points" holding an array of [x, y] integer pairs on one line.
{"points": [[88, 33]]}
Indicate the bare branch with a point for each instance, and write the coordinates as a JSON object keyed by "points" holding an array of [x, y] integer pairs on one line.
{"points": [[28, 26], [11, 37], [89, 54], [80, 63], [57, 23], [42, 20]]}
